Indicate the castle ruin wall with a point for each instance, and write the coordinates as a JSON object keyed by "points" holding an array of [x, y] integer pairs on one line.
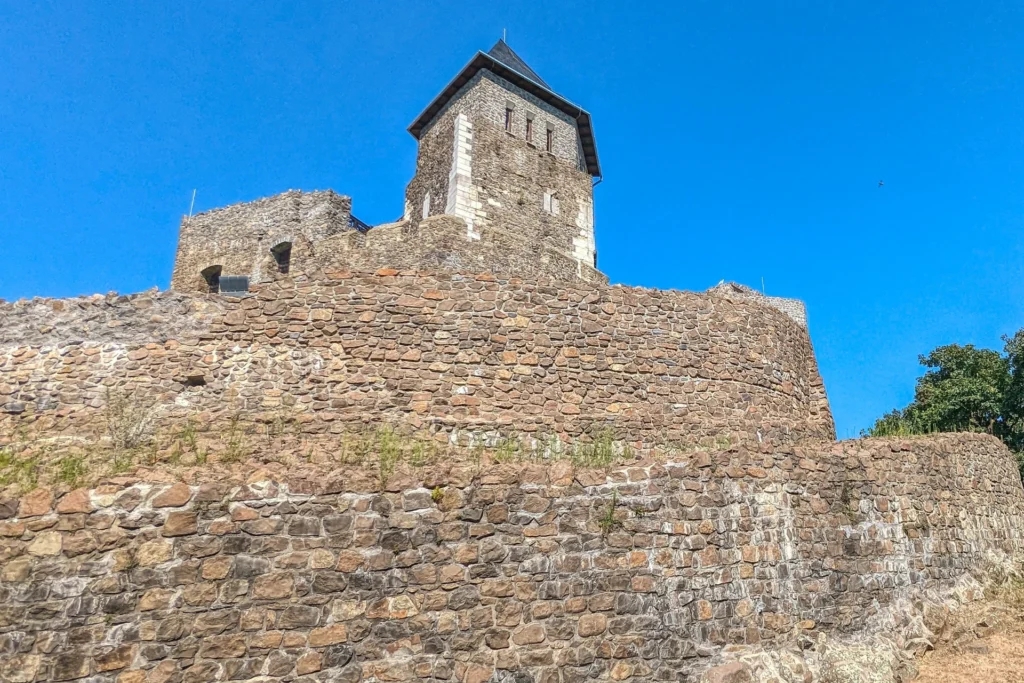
{"points": [[445, 353], [239, 238]]}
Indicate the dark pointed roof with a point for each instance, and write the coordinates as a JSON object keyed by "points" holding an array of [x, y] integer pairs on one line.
{"points": [[506, 55], [503, 61]]}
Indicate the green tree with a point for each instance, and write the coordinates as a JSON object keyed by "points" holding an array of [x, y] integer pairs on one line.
{"points": [[966, 389], [1013, 398]]}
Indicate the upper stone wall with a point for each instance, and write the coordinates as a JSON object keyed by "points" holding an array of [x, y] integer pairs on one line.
{"points": [[239, 238], [439, 243], [448, 353], [794, 308]]}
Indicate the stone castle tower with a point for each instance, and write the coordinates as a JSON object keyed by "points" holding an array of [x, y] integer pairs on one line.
{"points": [[503, 151], [503, 184]]}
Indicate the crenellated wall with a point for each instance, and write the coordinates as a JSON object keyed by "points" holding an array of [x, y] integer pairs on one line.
{"points": [[513, 572], [442, 353]]}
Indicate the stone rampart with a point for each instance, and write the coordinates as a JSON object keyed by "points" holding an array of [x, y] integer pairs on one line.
{"points": [[514, 572], [443, 353]]}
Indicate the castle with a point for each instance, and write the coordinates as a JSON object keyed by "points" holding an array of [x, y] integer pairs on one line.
{"points": [[774, 554], [507, 161], [481, 309]]}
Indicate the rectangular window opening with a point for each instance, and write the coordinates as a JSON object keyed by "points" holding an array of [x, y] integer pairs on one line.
{"points": [[508, 119], [283, 257], [529, 129], [549, 143]]}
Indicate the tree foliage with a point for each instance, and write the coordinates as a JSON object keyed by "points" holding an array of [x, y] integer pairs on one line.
{"points": [[966, 389]]}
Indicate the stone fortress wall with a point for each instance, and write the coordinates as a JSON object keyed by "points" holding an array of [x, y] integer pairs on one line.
{"points": [[794, 308], [489, 319], [440, 352], [239, 239], [527, 573]]}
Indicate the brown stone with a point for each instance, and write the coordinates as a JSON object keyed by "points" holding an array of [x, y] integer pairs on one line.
{"points": [[222, 647], [180, 523], [270, 640], [621, 671], [308, 663], [46, 544], [75, 502], [216, 568], [592, 625], [20, 668], [173, 497], [243, 513], [15, 570], [36, 503], [273, 586], [153, 553], [12, 529], [155, 599], [117, 658], [328, 635], [732, 672], [528, 635]]}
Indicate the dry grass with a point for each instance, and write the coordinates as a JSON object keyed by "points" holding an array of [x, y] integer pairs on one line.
{"points": [[984, 644]]}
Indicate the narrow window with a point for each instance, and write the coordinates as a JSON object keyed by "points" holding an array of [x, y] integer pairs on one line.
{"points": [[426, 205], [212, 277], [508, 119], [549, 143], [282, 256], [529, 129]]}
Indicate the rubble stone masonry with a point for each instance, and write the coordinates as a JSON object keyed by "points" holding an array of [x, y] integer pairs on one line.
{"points": [[504, 181], [444, 352], [526, 573], [239, 238]]}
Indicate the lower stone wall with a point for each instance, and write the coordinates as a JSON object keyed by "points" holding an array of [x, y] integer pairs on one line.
{"points": [[512, 572]]}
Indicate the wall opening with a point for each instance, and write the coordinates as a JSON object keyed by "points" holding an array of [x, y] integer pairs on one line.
{"points": [[549, 140], [551, 202], [212, 277], [508, 119], [282, 256], [529, 128]]}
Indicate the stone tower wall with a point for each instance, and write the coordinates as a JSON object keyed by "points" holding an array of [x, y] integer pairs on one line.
{"points": [[513, 573], [492, 178], [239, 237], [448, 353]]}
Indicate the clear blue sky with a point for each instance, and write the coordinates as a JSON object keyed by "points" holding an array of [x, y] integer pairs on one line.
{"points": [[738, 141]]}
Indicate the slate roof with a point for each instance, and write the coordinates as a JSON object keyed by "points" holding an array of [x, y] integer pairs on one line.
{"points": [[503, 61], [506, 55]]}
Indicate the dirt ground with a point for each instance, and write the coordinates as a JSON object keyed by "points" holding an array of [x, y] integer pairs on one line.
{"points": [[984, 644]]}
